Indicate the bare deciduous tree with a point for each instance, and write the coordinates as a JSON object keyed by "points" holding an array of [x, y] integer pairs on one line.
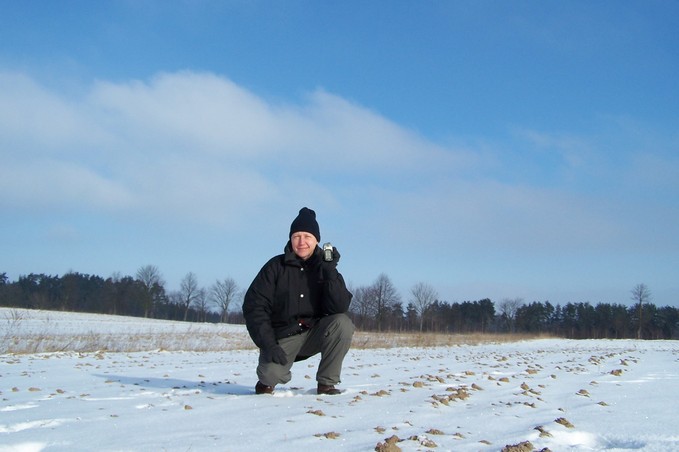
{"points": [[188, 292], [424, 296], [360, 304], [222, 294], [201, 303], [383, 296], [150, 275], [153, 282], [640, 294], [508, 308]]}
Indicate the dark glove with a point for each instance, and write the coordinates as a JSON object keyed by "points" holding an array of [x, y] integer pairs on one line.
{"points": [[277, 355], [329, 268]]}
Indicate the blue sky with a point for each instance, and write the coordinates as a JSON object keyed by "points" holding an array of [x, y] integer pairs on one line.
{"points": [[491, 149]]}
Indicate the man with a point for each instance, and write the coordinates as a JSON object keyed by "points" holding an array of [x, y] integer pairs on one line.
{"points": [[296, 308]]}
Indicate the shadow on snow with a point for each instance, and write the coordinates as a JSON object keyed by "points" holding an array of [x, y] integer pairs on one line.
{"points": [[218, 387]]}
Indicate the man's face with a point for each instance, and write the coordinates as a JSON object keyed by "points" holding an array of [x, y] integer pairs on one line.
{"points": [[303, 244]]}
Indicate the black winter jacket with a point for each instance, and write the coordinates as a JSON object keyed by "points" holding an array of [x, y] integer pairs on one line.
{"points": [[287, 290]]}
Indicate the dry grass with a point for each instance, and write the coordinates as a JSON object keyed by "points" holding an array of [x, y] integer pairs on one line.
{"points": [[368, 340], [23, 331], [122, 342], [206, 342]]}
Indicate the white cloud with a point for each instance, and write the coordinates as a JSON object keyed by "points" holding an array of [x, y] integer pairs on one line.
{"points": [[38, 121], [211, 114], [192, 145], [202, 112], [47, 184], [355, 138]]}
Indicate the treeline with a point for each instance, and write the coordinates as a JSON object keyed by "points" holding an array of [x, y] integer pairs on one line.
{"points": [[140, 296], [380, 307], [573, 320], [377, 307]]}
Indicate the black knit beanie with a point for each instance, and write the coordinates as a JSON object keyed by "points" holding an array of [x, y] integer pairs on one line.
{"points": [[306, 222]]}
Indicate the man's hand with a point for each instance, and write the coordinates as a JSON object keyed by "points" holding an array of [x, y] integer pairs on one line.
{"points": [[335, 256], [329, 268], [277, 355]]}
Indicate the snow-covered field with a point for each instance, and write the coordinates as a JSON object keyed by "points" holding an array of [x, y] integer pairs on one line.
{"points": [[556, 394]]}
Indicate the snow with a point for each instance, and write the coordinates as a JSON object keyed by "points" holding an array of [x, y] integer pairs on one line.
{"points": [[557, 394]]}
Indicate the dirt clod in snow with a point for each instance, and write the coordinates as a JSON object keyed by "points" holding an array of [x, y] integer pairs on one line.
{"points": [[389, 445], [525, 446]]}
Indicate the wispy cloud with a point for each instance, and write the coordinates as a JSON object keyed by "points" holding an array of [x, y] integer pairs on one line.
{"points": [[187, 142]]}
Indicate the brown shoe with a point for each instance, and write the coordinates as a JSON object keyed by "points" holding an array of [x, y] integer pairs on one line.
{"points": [[261, 388], [327, 390]]}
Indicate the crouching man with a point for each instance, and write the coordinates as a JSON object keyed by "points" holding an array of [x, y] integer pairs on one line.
{"points": [[296, 308]]}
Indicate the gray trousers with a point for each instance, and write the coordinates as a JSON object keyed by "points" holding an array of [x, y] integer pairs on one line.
{"points": [[331, 337]]}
